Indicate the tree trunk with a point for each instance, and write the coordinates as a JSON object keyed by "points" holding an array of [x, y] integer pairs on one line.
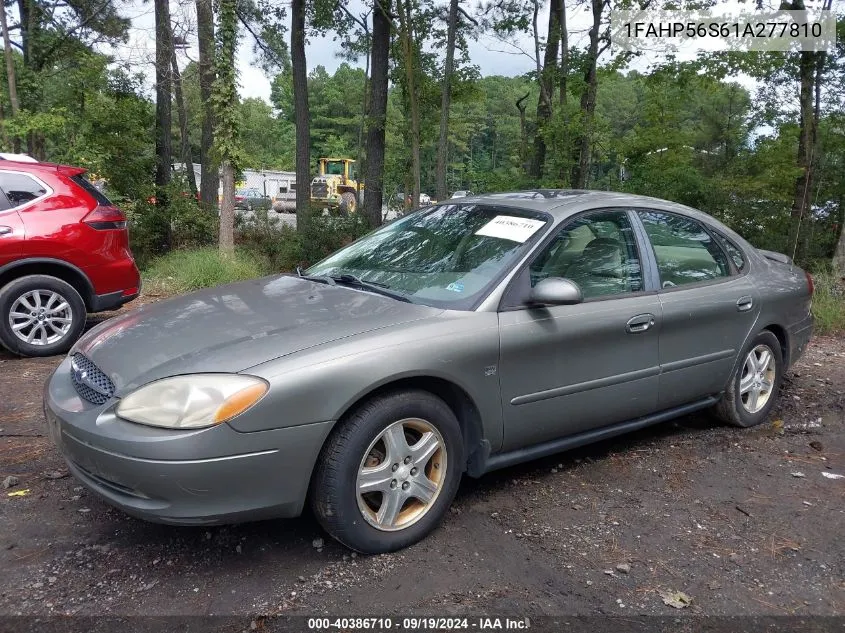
{"points": [[839, 253], [377, 115], [408, 49], [806, 137], [187, 158], [547, 87], [164, 53], [209, 173], [360, 156], [564, 144], [10, 75], [226, 243], [446, 99], [225, 99], [564, 54], [583, 146], [523, 129], [301, 113]]}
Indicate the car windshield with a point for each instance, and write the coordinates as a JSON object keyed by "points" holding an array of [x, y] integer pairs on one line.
{"points": [[447, 256]]}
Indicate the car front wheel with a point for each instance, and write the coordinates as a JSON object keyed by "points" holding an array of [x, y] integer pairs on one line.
{"points": [[389, 472], [755, 385], [40, 316]]}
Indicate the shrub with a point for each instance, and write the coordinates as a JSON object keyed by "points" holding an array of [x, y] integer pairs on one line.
{"points": [[829, 303], [283, 248], [191, 226], [186, 270]]}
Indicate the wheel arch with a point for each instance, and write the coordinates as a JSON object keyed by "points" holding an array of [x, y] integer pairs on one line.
{"points": [[51, 268], [455, 397], [782, 335]]}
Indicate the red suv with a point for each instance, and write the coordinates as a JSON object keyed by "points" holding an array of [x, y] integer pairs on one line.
{"points": [[64, 252]]}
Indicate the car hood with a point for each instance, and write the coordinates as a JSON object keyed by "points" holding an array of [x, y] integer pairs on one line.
{"points": [[231, 328]]}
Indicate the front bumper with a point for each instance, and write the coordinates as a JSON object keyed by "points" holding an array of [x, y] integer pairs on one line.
{"points": [[190, 477]]}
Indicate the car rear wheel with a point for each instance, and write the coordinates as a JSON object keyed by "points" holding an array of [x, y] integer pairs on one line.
{"points": [[755, 385], [388, 473], [40, 316]]}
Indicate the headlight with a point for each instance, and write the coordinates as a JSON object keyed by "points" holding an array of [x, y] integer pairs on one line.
{"points": [[193, 401]]}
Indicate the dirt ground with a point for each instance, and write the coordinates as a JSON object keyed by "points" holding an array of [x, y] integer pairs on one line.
{"points": [[743, 522]]}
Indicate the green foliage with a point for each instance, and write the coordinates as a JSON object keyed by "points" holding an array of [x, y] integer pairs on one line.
{"points": [[335, 103], [191, 226], [224, 93], [829, 304], [282, 248], [186, 270], [93, 116]]}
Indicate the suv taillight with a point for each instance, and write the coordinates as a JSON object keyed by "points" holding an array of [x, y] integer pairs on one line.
{"points": [[810, 283], [105, 217]]}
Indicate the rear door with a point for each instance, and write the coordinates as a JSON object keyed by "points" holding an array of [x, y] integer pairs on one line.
{"points": [[12, 231], [12, 236], [709, 307], [569, 369]]}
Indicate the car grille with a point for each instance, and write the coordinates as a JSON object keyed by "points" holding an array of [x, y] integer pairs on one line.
{"points": [[319, 191], [90, 383]]}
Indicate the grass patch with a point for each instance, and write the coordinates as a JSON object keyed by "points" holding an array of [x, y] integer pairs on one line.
{"points": [[829, 304], [187, 270]]}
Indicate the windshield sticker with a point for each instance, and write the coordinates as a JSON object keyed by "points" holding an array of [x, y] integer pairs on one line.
{"points": [[456, 286], [509, 227]]}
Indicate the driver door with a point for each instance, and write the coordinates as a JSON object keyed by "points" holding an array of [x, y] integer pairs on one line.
{"points": [[569, 369]]}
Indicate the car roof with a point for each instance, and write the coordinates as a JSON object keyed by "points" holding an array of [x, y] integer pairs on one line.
{"points": [[34, 165], [561, 203]]}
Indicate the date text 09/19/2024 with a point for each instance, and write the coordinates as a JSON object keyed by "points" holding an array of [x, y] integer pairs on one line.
{"points": [[420, 623]]}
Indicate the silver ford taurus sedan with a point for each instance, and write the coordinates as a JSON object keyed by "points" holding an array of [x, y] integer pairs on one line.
{"points": [[462, 338]]}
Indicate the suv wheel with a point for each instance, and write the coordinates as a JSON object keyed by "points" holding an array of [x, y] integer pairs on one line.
{"points": [[40, 316], [388, 473]]}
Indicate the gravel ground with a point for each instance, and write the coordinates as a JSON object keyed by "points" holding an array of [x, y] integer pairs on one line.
{"points": [[686, 517]]}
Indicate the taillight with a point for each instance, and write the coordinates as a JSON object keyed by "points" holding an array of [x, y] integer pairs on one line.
{"points": [[105, 217], [810, 283]]}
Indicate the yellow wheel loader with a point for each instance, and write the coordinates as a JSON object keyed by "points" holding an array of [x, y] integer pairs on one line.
{"points": [[335, 186]]}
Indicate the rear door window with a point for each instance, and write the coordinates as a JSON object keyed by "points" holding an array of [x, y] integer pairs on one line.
{"points": [[21, 188], [685, 252]]}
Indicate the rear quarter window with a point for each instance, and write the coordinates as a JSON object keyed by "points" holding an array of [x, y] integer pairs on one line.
{"points": [[732, 250], [91, 190]]}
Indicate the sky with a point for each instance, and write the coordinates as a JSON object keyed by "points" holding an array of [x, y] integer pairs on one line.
{"points": [[492, 56]]}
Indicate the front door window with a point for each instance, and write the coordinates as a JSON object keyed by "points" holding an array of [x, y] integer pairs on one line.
{"points": [[597, 251]]}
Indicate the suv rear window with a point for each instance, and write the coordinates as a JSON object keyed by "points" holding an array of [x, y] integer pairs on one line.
{"points": [[95, 193]]}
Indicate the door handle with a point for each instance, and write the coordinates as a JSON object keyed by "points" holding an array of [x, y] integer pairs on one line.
{"points": [[639, 323], [744, 304], [5, 230]]}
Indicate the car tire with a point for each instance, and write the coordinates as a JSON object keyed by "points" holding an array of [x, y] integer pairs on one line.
{"points": [[395, 445], [755, 384], [59, 309]]}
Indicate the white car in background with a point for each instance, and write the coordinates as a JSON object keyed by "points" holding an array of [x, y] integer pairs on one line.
{"points": [[462, 194]]}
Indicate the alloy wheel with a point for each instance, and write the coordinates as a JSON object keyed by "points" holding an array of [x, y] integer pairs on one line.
{"points": [[758, 378], [40, 317], [401, 474]]}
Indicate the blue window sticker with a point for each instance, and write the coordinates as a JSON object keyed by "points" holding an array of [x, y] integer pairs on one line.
{"points": [[456, 286]]}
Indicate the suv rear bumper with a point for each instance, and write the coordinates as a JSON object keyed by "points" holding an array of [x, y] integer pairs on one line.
{"points": [[112, 300]]}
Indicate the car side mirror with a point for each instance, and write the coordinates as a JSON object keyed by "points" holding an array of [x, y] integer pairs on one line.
{"points": [[556, 291]]}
